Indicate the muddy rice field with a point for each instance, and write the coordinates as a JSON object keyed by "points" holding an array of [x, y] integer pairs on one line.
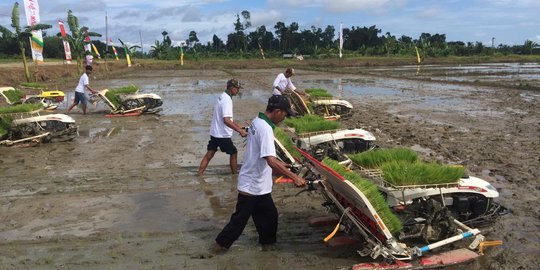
{"points": [[124, 194]]}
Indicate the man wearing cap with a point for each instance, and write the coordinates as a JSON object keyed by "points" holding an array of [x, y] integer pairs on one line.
{"points": [[255, 179], [221, 128], [283, 81]]}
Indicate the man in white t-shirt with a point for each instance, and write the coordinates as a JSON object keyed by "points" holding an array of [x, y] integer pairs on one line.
{"points": [[255, 179], [221, 128], [80, 96], [283, 82]]}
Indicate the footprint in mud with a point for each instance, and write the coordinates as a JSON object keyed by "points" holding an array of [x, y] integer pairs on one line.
{"points": [[202, 256]]}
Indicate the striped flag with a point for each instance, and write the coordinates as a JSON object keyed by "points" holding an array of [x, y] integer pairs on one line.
{"points": [[31, 9], [67, 49], [114, 49]]}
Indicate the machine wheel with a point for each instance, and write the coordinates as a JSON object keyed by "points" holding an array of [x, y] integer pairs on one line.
{"points": [[132, 104]]}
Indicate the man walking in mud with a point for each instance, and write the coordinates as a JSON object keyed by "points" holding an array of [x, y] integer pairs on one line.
{"points": [[255, 180], [80, 96], [221, 128]]}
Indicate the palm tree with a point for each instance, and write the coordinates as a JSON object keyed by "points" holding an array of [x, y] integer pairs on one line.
{"points": [[22, 36], [528, 46]]}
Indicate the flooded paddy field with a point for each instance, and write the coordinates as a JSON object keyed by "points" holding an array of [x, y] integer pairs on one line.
{"points": [[124, 194]]}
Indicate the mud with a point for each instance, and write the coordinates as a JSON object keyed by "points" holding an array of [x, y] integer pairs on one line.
{"points": [[124, 194]]}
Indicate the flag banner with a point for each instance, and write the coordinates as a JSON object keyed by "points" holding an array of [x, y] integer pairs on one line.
{"points": [[67, 49], [181, 55], [340, 39], [88, 49], [114, 50], [31, 9], [96, 51]]}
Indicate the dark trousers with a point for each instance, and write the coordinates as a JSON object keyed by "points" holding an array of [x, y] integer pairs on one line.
{"points": [[265, 217]]}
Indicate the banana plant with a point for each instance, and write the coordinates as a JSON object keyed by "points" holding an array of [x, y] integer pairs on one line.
{"points": [[77, 39], [131, 49], [22, 36]]}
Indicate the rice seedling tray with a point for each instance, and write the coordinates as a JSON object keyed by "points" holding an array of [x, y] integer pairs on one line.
{"points": [[376, 175]]}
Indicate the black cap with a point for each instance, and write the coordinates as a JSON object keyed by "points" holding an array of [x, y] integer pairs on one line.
{"points": [[233, 83], [280, 102]]}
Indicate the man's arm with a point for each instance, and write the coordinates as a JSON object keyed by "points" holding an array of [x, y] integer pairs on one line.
{"points": [[230, 123], [279, 167], [90, 89]]}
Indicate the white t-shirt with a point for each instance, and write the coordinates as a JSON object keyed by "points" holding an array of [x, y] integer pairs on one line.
{"points": [[283, 83], [83, 82], [255, 176], [223, 108]]}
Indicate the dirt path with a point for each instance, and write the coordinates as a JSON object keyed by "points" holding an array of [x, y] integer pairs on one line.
{"points": [[124, 194]]}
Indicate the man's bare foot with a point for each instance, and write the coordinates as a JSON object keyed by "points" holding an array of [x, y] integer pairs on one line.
{"points": [[217, 249], [269, 247]]}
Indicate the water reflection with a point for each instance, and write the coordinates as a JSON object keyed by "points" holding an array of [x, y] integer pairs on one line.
{"points": [[100, 132]]}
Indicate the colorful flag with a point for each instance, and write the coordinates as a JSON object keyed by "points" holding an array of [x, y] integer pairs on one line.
{"points": [[67, 49], [340, 39], [31, 9], [181, 55], [88, 49], [96, 51], [114, 49]]}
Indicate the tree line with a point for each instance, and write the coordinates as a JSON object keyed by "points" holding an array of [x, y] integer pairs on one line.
{"points": [[248, 42]]}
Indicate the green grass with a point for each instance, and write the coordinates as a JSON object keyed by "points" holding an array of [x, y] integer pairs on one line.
{"points": [[286, 141], [32, 85], [318, 92], [311, 123], [376, 158], [372, 194], [400, 173], [14, 95]]}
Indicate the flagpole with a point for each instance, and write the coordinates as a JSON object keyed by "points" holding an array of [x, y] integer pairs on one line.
{"points": [[340, 39], [142, 50], [106, 42]]}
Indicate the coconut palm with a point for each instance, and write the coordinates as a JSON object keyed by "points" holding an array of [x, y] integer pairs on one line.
{"points": [[77, 39], [22, 36], [529, 46]]}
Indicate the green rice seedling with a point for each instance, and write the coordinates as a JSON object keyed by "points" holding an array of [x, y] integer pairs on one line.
{"points": [[374, 159], [112, 94], [14, 95], [318, 93], [32, 85], [371, 192], [21, 108], [400, 173], [5, 124], [311, 123], [286, 141], [113, 98], [6, 119], [124, 90]]}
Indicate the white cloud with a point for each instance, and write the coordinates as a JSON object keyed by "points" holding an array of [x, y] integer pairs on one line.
{"points": [[354, 5]]}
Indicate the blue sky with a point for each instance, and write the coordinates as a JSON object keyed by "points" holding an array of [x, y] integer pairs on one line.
{"points": [[510, 22]]}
